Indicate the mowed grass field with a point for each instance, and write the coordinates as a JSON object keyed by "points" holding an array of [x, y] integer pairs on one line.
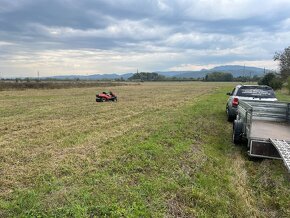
{"points": [[163, 150]]}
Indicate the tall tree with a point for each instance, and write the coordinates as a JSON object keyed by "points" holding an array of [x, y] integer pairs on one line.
{"points": [[284, 58]]}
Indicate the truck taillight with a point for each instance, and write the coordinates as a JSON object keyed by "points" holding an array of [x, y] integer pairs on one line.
{"points": [[235, 102]]}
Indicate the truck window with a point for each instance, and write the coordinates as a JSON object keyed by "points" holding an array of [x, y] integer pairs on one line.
{"points": [[256, 92]]}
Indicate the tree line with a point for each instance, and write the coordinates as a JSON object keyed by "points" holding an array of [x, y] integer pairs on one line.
{"points": [[210, 77], [147, 76], [219, 77]]}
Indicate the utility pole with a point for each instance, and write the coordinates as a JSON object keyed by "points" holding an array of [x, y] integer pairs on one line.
{"points": [[245, 80], [244, 70], [38, 75]]}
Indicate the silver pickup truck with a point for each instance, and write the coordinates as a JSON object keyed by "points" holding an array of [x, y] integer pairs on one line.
{"points": [[247, 92], [265, 126]]}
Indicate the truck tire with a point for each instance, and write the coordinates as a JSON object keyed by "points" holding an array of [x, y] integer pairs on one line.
{"points": [[237, 131], [231, 117]]}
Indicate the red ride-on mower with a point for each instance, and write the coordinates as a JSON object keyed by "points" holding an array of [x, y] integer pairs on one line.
{"points": [[106, 96]]}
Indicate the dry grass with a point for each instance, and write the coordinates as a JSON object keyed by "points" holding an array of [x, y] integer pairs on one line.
{"points": [[153, 153], [45, 130]]}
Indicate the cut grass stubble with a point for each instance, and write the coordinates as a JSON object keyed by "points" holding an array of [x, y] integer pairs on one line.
{"points": [[163, 150]]}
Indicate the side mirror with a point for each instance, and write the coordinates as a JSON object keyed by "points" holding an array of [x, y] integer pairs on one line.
{"points": [[229, 93]]}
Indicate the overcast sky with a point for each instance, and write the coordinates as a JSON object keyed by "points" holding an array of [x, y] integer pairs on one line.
{"points": [[61, 37]]}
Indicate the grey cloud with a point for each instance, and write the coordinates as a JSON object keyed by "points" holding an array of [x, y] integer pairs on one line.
{"points": [[148, 26]]}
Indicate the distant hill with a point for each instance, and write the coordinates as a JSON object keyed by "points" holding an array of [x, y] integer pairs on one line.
{"points": [[238, 70], [184, 74], [235, 70], [95, 76]]}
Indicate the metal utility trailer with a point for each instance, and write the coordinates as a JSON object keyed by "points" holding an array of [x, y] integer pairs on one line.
{"points": [[266, 128]]}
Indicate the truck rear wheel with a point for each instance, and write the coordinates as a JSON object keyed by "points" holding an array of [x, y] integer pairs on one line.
{"points": [[230, 117], [237, 131]]}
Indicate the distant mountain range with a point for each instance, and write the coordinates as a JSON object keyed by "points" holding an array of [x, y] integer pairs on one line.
{"points": [[95, 76], [235, 70]]}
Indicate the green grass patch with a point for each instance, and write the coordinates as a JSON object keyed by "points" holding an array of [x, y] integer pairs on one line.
{"points": [[187, 167]]}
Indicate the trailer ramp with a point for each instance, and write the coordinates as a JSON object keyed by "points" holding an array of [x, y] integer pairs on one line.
{"points": [[284, 150]]}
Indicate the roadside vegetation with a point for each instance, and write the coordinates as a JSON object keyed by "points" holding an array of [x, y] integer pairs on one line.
{"points": [[164, 150]]}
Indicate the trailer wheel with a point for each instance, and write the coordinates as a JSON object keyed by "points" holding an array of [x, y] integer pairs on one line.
{"points": [[237, 131]]}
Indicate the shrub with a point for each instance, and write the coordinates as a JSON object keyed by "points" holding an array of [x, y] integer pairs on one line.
{"points": [[288, 84], [271, 79], [276, 83], [265, 80]]}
